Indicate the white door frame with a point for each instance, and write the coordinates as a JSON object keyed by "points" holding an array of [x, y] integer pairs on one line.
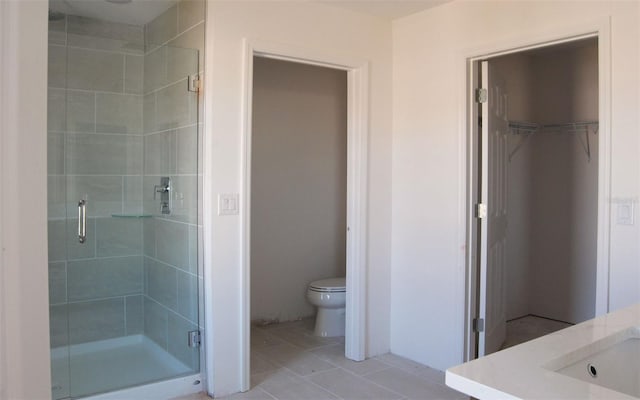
{"points": [[357, 188], [600, 29]]}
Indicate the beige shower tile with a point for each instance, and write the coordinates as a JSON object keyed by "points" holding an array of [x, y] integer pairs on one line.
{"points": [[57, 71], [96, 320], [190, 13], [95, 70], [104, 277], [133, 74], [118, 113], [55, 153], [57, 282], [56, 110], [163, 28], [81, 111], [103, 194], [97, 154], [161, 283], [118, 237]]}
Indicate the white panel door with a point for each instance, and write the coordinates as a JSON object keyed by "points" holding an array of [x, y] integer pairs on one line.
{"points": [[493, 194]]}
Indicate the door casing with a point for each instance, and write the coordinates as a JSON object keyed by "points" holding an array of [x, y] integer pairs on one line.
{"points": [[357, 190]]}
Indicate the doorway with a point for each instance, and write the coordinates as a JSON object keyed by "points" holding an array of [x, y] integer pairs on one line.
{"points": [[538, 194], [298, 185], [356, 191]]}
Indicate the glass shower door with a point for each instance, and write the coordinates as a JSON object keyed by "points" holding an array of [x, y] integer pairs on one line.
{"points": [[123, 231]]}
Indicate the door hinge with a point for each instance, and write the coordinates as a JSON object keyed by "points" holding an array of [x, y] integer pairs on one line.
{"points": [[482, 95], [481, 210], [193, 338], [194, 83], [478, 325]]}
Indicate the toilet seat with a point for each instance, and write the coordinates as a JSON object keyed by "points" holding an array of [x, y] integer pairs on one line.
{"points": [[331, 285]]}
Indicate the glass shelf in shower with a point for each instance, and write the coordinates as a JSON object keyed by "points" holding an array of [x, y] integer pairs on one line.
{"points": [[131, 215]]}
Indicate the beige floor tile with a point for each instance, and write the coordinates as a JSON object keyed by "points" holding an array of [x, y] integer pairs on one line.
{"points": [[307, 364], [530, 327], [277, 351], [412, 386], [303, 337], [335, 355], [304, 323], [284, 385], [433, 375], [288, 362], [300, 362], [257, 379], [253, 394], [262, 339], [260, 364], [351, 387], [195, 396], [402, 363]]}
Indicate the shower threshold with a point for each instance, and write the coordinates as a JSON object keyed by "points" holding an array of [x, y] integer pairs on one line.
{"points": [[107, 365]]}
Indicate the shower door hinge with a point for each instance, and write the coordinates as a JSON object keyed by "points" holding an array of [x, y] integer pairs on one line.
{"points": [[194, 338], [478, 325], [481, 210], [482, 95], [194, 83]]}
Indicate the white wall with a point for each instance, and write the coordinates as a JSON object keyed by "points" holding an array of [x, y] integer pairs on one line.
{"points": [[298, 184], [24, 319], [316, 29], [428, 264]]}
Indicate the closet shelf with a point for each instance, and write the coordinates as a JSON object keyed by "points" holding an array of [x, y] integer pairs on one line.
{"points": [[526, 129]]}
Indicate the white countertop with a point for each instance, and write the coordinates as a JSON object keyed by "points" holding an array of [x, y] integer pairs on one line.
{"points": [[519, 372]]}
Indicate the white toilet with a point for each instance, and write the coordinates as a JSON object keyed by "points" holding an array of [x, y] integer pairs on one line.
{"points": [[329, 295]]}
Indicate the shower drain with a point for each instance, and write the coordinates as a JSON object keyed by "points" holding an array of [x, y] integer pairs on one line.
{"points": [[592, 370]]}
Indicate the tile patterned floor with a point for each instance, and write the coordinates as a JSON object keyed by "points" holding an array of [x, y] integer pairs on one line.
{"points": [[288, 362], [530, 327]]}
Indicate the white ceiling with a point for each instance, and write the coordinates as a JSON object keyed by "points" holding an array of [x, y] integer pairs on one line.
{"points": [[140, 12], [388, 9], [136, 12]]}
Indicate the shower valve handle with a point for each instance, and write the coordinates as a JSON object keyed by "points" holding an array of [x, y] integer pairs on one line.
{"points": [[159, 189]]}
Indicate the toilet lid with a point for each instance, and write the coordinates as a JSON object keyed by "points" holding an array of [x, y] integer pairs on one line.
{"points": [[329, 285]]}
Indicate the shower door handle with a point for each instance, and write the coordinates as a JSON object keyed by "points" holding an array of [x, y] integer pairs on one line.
{"points": [[82, 221]]}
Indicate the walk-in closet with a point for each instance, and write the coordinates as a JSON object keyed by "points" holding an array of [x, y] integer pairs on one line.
{"points": [[552, 187]]}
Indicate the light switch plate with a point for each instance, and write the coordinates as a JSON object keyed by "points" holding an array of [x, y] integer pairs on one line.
{"points": [[624, 213], [228, 204]]}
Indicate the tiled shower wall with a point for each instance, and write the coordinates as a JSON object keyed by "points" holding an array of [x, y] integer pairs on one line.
{"points": [[171, 150], [128, 120], [95, 153]]}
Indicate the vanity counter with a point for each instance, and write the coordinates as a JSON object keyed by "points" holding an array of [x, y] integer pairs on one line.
{"points": [[537, 369]]}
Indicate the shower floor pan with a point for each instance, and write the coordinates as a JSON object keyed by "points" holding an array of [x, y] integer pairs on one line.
{"points": [[108, 365]]}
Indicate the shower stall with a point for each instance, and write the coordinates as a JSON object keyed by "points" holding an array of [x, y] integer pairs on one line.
{"points": [[123, 199]]}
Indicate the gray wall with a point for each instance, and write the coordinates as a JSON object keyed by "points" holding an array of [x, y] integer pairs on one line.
{"points": [[552, 200], [298, 184]]}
